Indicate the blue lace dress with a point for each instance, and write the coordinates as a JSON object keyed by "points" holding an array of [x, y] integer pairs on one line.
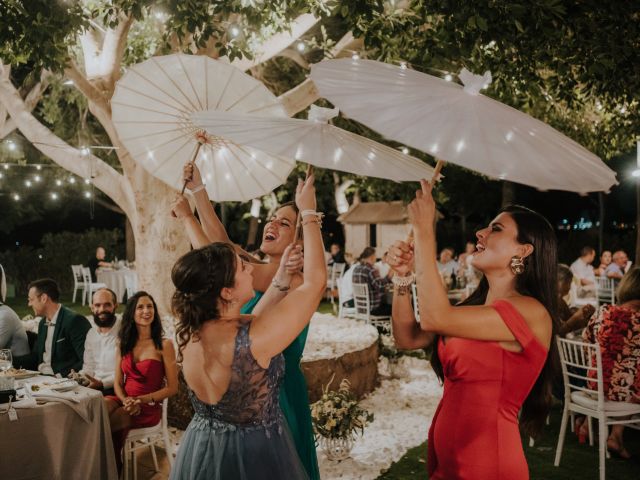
{"points": [[244, 436]]}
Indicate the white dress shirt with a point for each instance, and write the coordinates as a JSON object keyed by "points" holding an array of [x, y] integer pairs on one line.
{"points": [[45, 366], [583, 271], [100, 354]]}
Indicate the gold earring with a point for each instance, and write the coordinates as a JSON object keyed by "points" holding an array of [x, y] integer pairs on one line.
{"points": [[517, 265]]}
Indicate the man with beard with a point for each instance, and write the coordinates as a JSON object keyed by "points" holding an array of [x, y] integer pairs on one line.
{"points": [[100, 345]]}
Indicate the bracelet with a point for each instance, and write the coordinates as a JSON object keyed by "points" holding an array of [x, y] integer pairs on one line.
{"points": [[403, 281], [313, 220], [303, 213], [198, 188], [282, 288]]}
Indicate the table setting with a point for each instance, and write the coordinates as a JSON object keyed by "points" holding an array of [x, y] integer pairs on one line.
{"points": [[56, 417]]}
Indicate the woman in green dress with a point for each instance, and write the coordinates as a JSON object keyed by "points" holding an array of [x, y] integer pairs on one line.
{"points": [[278, 233]]}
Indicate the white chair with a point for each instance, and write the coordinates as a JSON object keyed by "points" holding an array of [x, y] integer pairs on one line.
{"points": [[334, 272], [89, 286], [575, 358], [343, 311], [139, 438], [363, 308], [130, 284], [605, 290], [78, 281], [414, 300]]}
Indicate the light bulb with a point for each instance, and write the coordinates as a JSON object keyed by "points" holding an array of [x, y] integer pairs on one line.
{"points": [[235, 31], [85, 151], [38, 167], [87, 181], [37, 178], [16, 197], [301, 46], [54, 196], [59, 183], [448, 77], [405, 150], [27, 183], [355, 56], [72, 180], [87, 194]]}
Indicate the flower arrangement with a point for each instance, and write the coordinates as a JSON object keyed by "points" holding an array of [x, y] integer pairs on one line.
{"points": [[337, 414]]}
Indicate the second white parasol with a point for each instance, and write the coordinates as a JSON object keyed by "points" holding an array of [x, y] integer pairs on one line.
{"points": [[460, 125], [151, 109], [315, 142]]}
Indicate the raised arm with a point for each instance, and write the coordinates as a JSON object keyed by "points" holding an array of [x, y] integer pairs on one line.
{"points": [[406, 330], [278, 326], [211, 224], [181, 209], [481, 322]]}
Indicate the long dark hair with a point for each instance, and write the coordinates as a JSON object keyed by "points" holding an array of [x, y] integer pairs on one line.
{"points": [[199, 277], [128, 334], [539, 281]]}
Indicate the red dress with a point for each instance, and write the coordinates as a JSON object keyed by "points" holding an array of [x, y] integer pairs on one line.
{"points": [[140, 378], [474, 433]]}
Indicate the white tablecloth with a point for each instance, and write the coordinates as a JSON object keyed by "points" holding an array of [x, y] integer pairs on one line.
{"points": [[116, 280], [52, 441]]}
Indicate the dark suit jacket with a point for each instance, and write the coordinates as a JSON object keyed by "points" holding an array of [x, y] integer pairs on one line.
{"points": [[67, 350]]}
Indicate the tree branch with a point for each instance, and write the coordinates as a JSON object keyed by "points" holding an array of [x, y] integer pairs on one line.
{"points": [[108, 205], [89, 90], [278, 42], [33, 97], [105, 177], [113, 50], [303, 95]]}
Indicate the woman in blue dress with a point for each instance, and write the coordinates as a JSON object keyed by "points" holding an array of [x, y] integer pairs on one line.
{"points": [[233, 363]]}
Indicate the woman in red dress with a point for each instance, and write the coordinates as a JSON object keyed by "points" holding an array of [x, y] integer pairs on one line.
{"points": [[494, 351], [146, 371]]}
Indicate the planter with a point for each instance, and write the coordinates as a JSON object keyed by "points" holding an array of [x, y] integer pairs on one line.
{"points": [[336, 449]]}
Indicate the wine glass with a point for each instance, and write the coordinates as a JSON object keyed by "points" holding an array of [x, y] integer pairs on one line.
{"points": [[6, 360]]}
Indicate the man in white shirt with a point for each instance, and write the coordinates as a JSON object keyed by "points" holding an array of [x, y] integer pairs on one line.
{"points": [[446, 264], [583, 272], [101, 344]]}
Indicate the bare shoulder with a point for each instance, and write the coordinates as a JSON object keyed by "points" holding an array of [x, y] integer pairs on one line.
{"points": [[536, 315]]}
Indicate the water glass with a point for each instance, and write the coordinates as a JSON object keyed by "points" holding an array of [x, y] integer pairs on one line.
{"points": [[6, 361]]}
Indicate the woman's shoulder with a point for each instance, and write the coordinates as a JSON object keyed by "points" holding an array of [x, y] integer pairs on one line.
{"points": [[528, 307]]}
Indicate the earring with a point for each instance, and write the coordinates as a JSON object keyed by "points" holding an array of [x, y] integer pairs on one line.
{"points": [[517, 265]]}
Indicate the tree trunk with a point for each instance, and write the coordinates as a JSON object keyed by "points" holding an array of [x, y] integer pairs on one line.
{"points": [[637, 259], [160, 240], [508, 193], [130, 241]]}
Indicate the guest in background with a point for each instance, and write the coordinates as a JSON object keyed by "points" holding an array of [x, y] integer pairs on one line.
{"points": [[465, 258], [365, 273], [61, 332], [618, 266], [12, 333], [570, 320], [346, 288], [605, 260], [447, 266], [616, 329], [382, 266], [101, 344], [97, 262], [145, 371], [337, 255], [583, 272]]}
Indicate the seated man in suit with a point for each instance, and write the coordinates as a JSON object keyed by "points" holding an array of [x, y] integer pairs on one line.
{"points": [[61, 332]]}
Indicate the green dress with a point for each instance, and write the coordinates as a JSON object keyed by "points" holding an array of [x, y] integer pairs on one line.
{"points": [[294, 398]]}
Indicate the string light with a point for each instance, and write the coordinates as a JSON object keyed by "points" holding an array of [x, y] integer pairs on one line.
{"points": [[355, 56], [54, 196], [448, 77], [6, 166], [11, 145], [87, 181], [68, 82], [59, 182], [72, 180], [235, 31], [405, 150], [27, 183], [16, 197], [301, 47], [87, 194], [37, 178], [38, 167], [84, 151]]}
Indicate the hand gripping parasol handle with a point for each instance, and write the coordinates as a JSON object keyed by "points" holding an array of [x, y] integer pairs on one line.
{"points": [[434, 179], [201, 138], [296, 235]]}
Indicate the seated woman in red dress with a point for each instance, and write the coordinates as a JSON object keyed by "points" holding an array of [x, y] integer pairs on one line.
{"points": [[146, 371], [494, 351], [616, 329]]}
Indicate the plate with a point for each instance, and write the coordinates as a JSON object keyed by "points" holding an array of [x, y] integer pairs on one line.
{"points": [[21, 373], [63, 386]]}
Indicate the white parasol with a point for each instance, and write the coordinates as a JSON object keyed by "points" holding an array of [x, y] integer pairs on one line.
{"points": [[151, 109], [316, 142], [458, 124]]}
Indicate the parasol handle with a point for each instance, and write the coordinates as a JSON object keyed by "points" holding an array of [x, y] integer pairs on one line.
{"points": [[193, 159], [434, 179], [296, 234]]}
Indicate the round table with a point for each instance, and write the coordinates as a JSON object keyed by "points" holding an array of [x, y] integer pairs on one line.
{"points": [[117, 280]]}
